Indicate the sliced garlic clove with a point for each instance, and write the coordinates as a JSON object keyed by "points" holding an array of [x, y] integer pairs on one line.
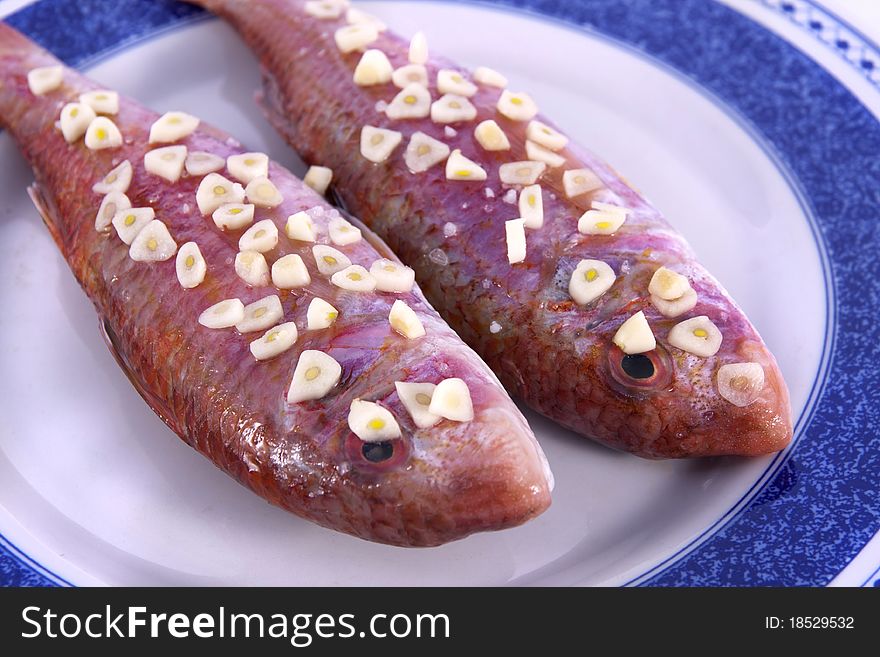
{"points": [[452, 400], [190, 265], [261, 237], [201, 163], [598, 222], [452, 109], [102, 101], [356, 16], [590, 280], [377, 144], [537, 152], [263, 193], [697, 336], [75, 120], [44, 79], [453, 82], [416, 399], [275, 341], [129, 222], [320, 314], [371, 422], [215, 190], [290, 272], [329, 260], [102, 133], [153, 244], [355, 37], [315, 376], [343, 233], [410, 74], [404, 320], [458, 167], [668, 285], [392, 276], [260, 315], [516, 106], [635, 336], [490, 77], [117, 180], [412, 102], [173, 126], [740, 383], [521, 173], [325, 9], [491, 137], [418, 49], [373, 68], [318, 178], [252, 268], [580, 181], [166, 162], [531, 206], [232, 216], [515, 232], [675, 307], [244, 167], [225, 314], [355, 279], [423, 152], [300, 227], [543, 135], [110, 205]]}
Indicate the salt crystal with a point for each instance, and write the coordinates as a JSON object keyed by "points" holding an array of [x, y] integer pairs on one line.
{"points": [[494, 327], [449, 229], [381, 106], [510, 197], [450, 132], [489, 193]]}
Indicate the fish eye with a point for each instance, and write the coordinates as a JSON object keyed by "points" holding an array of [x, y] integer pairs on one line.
{"points": [[378, 452], [376, 457], [637, 366], [638, 374]]}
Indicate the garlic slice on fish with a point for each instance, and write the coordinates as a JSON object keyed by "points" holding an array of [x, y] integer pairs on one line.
{"points": [[531, 206], [261, 237], [173, 126], [224, 314], [166, 162], [515, 232], [325, 9], [373, 68], [329, 260], [452, 109], [377, 144], [537, 152], [590, 280], [300, 227], [521, 173], [371, 422], [215, 190], [318, 178], [410, 74], [355, 279], [261, 314], [697, 336], [244, 167], [418, 49], [275, 341], [102, 101], [411, 102], [453, 82], [289, 272], [635, 336], [580, 181], [423, 152], [458, 167], [343, 233], [542, 134], [232, 216], [315, 376], [102, 133], [517, 106], [117, 180], [75, 120], [252, 268], [131, 221], [201, 163], [355, 37], [153, 244], [491, 137], [263, 193], [392, 276], [490, 77], [355, 16], [667, 284], [190, 266], [404, 320], [675, 307], [452, 400], [320, 314], [44, 79], [110, 205], [599, 222], [740, 383], [416, 399]]}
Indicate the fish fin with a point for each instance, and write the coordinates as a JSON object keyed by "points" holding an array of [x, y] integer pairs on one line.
{"points": [[49, 214]]}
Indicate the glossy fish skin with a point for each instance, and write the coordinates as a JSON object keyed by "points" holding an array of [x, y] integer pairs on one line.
{"points": [[558, 357], [440, 484]]}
